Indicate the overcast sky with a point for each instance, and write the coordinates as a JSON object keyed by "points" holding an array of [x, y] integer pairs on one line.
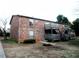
{"points": [[45, 9]]}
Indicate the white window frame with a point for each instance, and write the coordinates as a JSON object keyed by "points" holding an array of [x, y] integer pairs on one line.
{"points": [[31, 33]]}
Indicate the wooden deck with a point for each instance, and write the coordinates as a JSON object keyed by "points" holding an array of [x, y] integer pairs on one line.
{"points": [[43, 42]]}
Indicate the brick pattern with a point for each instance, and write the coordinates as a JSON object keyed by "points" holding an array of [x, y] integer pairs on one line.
{"points": [[14, 28], [20, 29], [39, 31], [23, 29]]}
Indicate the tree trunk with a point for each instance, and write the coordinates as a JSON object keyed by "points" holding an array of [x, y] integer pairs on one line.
{"points": [[4, 34]]}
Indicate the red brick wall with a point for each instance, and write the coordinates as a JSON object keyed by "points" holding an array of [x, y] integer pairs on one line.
{"points": [[14, 27], [39, 30], [23, 28], [20, 29]]}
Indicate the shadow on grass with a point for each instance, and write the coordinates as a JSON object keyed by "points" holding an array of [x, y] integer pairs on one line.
{"points": [[74, 42], [71, 54], [29, 41]]}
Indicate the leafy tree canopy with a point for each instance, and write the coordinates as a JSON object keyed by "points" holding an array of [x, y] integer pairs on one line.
{"points": [[75, 26], [63, 20]]}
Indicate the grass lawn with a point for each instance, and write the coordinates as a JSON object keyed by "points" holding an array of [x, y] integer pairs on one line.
{"points": [[67, 49], [9, 41]]}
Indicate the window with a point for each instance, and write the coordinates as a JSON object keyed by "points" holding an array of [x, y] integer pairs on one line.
{"points": [[31, 33], [66, 32], [31, 21], [57, 30], [54, 31], [54, 25], [48, 31], [47, 22]]}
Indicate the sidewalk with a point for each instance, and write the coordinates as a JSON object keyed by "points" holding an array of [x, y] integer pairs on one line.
{"points": [[2, 55]]}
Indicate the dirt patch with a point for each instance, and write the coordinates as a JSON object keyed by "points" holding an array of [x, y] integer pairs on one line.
{"points": [[61, 50], [31, 51]]}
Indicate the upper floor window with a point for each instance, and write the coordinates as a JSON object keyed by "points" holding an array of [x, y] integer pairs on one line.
{"points": [[47, 22], [31, 21], [54, 24]]}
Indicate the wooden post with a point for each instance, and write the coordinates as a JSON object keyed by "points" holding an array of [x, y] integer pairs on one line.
{"points": [[61, 28], [38, 38], [38, 32]]}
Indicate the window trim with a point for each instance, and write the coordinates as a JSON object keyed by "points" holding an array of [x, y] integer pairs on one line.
{"points": [[31, 34], [31, 22]]}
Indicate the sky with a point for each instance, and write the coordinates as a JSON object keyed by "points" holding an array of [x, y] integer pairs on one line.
{"points": [[44, 9]]}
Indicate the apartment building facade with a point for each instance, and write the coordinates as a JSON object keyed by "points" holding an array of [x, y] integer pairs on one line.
{"points": [[26, 28]]}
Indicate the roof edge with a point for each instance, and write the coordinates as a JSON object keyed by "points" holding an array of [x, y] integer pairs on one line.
{"points": [[32, 18]]}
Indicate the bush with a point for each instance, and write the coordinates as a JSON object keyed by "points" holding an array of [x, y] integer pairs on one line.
{"points": [[8, 34]]}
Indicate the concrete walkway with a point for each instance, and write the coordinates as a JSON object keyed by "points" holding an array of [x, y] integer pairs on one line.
{"points": [[2, 54]]}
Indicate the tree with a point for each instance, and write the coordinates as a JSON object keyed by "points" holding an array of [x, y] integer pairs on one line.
{"points": [[75, 26], [4, 22], [59, 18], [1, 33], [63, 20]]}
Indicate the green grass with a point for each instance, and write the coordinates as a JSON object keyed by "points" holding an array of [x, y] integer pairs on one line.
{"points": [[67, 53], [71, 54], [13, 41], [74, 42], [10, 41]]}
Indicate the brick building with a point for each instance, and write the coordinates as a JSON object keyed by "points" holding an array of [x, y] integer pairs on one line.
{"points": [[26, 28]]}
